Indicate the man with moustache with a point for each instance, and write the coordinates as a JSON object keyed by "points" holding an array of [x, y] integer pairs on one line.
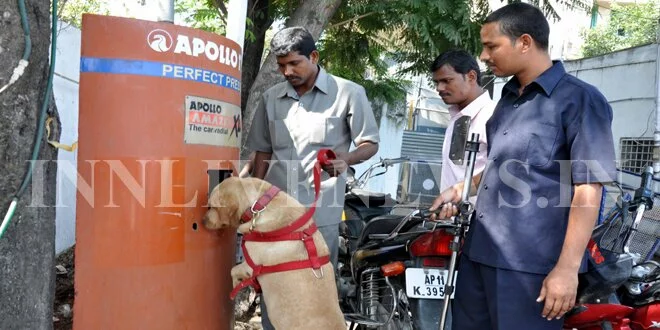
{"points": [[310, 111], [456, 76], [550, 149]]}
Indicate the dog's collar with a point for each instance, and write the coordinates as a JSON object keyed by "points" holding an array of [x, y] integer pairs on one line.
{"points": [[260, 204]]}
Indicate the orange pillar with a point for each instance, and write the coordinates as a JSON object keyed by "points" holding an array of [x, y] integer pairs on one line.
{"points": [[159, 109]]}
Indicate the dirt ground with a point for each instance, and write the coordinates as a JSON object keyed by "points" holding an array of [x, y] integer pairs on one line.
{"points": [[247, 310], [64, 293]]}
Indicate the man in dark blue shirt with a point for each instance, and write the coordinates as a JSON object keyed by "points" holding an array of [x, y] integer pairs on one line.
{"points": [[550, 150]]}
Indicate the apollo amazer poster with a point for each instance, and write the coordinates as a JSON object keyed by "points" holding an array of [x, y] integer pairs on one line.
{"points": [[212, 122]]}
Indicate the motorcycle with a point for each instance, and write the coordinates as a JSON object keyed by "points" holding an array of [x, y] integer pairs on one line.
{"points": [[396, 279], [620, 291], [361, 206], [401, 269], [395, 273]]}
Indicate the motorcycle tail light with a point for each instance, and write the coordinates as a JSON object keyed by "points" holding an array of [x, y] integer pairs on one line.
{"points": [[434, 262], [432, 244], [393, 268]]}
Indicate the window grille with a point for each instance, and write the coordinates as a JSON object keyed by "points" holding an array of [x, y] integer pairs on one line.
{"points": [[636, 154]]}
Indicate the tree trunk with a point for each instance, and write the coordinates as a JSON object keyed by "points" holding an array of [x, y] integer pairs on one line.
{"points": [[27, 249], [258, 13], [314, 16]]}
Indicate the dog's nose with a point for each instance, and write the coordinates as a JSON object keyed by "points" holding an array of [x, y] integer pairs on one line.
{"points": [[206, 220], [211, 220]]}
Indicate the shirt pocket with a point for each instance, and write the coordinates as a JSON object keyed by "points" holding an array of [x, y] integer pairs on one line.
{"points": [[541, 145], [326, 131], [334, 130], [315, 130], [281, 135]]}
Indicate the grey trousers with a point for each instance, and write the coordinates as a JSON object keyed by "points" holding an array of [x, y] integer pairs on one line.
{"points": [[330, 234]]}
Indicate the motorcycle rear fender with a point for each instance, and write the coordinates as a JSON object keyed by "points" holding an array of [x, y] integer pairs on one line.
{"points": [[593, 314], [647, 317], [426, 312]]}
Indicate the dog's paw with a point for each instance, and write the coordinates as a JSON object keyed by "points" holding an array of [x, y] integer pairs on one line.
{"points": [[240, 272]]}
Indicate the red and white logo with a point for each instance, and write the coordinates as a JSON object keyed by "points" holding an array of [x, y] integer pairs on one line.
{"points": [[159, 40], [162, 41]]}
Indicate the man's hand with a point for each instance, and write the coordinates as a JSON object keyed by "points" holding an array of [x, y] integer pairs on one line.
{"points": [[339, 165], [447, 202], [559, 291], [363, 152], [260, 164], [560, 286]]}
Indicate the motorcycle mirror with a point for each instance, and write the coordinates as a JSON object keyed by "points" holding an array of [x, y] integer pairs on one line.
{"points": [[459, 140]]}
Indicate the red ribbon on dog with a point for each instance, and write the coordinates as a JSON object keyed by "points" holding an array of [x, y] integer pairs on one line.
{"points": [[288, 233]]}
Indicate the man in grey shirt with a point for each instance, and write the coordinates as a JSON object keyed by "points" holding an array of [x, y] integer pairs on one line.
{"points": [[312, 110]]}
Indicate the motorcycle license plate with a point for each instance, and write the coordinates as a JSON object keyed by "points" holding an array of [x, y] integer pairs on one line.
{"points": [[427, 283]]}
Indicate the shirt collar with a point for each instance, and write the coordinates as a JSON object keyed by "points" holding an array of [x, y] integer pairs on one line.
{"points": [[547, 81], [473, 108], [321, 84], [322, 81]]}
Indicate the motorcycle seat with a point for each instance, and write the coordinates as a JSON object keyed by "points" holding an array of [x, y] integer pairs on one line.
{"points": [[369, 198], [383, 224]]}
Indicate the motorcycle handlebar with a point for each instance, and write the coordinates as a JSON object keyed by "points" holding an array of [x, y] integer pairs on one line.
{"points": [[426, 213], [647, 179], [645, 191], [389, 162]]}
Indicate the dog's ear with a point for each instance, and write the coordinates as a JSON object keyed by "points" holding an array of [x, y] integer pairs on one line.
{"points": [[228, 210], [224, 204], [211, 220]]}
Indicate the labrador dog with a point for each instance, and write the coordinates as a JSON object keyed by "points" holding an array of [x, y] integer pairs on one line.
{"points": [[295, 299]]}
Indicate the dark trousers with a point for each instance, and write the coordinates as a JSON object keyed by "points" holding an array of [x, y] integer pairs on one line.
{"points": [[498, 299]]}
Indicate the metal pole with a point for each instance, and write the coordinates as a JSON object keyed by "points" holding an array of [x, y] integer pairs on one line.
{"points": [[461, 221], [236, 15], [656, 134], [449, 286], [165, 11], [416, 112]]}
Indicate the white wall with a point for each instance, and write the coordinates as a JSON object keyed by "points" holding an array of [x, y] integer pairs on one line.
{"points": [[65, 90], [391, 137], [627, 79]]}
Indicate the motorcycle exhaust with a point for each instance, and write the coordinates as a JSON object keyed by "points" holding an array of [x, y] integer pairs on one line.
{"points": [[360, 255]]}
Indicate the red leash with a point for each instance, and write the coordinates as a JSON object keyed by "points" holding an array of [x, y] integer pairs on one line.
{"points": [[287, 233]]}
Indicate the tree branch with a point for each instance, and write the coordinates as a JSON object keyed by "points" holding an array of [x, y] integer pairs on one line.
{"points": [[350, 20], [220, 5]]}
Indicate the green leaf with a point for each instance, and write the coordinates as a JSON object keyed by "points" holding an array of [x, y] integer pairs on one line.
{"points": [[629, 26]]}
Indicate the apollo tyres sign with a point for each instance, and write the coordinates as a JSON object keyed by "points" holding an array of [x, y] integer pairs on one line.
{"points": [[162, 41], [160, 123], [190, 56]]}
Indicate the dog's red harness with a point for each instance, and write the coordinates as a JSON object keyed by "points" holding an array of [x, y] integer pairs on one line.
{"points": [[288, 233]]}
